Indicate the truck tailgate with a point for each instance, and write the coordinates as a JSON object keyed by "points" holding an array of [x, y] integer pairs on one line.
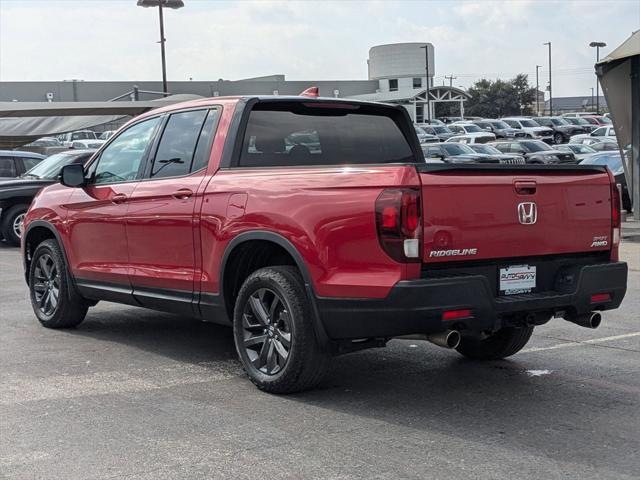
{"points": [[475, 214]]}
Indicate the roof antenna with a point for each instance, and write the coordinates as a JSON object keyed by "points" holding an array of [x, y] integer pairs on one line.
{"points": [[310, 92]]}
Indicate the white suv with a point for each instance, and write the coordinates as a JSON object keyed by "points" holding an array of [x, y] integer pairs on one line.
{"points": [[531, 128], [597, 134], [471, 130]]}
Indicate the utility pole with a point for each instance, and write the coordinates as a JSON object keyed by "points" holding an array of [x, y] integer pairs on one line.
{"points": [[451, 78], [426, 59], [550, 90], [537, 91], [597, 46]]}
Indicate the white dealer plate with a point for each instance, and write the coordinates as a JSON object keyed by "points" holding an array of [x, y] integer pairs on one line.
{"points": [[517, 279]]}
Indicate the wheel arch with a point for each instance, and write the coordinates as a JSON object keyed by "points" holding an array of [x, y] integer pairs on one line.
{"points": [[36, 233], [281, 244]]}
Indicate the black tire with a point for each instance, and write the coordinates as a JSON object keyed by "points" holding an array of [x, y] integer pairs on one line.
{"points": [[558, 138], [261, 325], [504, 343], [9, 218], [47, 272]]}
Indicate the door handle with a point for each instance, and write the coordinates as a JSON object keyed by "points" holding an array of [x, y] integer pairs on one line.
{"points": [[119, 198], [182, 194]]}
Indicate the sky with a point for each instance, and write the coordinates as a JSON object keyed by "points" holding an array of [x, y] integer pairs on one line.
{"points": [[307, 40]]}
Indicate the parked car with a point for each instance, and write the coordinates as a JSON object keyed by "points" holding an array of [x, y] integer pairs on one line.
{"points": [[433, 121], [499, 128], [68, 138], [470, 139], [562, 129], [87, 144], [16, 194], [106, 135], [597, 120], [45, 146], [485, 149], [306, 263], [600, 132], [605, 145], [579, 114], [424, 137], [535, 151], [613, 160], [582, 123], [531, 128], [579, 151], [440, 131], [14, 163], [463, 153], [471, 130]]}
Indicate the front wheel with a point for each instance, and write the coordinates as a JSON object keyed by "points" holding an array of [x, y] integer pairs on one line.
{"points": [[503, 343], [558, 138], [274, 332], [54, 301]]}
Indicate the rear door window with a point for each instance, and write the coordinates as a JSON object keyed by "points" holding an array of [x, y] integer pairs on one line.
{"points": [[177, 146], [7, 167], [298, 134]]}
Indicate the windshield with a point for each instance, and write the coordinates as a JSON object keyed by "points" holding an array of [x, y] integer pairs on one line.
{"points": [[472, 128], [50, 166], [420, 131], [559, 121], [488, 149], [529, 123], [441, 130], [456, 149], [611, 160], [576, 148], [499, 125], [536, 146]]}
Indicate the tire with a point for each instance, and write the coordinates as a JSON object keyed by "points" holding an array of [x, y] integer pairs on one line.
{"points": [[10, 219], [48, 272], [558, 138], [504, 343], [274, 332]]}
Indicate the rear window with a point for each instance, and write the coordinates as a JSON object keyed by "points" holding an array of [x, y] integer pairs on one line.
{"points": [[320, 134]]}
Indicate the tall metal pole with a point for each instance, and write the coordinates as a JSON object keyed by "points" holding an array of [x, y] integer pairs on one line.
{"points": [[162, 40], [537, 91], [550, 90], [591, 98], [426, 59], [597, 82]]}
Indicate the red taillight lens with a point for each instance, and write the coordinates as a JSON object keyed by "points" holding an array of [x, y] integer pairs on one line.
{"points": [[398, 223], [616, 219], [600, 297], [456, 314]]}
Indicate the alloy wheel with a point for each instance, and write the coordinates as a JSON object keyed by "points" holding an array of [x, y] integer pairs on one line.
{"points": [[266, 324], [46, 285], [17, 225]]}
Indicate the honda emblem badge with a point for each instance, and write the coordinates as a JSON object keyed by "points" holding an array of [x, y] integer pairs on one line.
{"points": [[527, 213]]}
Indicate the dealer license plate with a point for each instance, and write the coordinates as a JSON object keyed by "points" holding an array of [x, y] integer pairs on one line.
{"points": [[517, 279]]}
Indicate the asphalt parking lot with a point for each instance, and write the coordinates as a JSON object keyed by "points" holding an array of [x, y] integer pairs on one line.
{"points": [[137, 394]]}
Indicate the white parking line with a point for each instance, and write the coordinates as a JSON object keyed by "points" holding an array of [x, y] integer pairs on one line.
{"points": [[577, 344]]}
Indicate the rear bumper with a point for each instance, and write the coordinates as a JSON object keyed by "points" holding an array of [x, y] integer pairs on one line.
{"points": [[416, 306]]}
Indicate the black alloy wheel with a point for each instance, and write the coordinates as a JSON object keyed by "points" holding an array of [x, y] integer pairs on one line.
{"points": [[266, 323], [46, 288]]}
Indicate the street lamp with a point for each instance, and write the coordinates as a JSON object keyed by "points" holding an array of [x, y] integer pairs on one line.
{"points": [[426, 59], [174, 4], [597, 46], [550, 91]]}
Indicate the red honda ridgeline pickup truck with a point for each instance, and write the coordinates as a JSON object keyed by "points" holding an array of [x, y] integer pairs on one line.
{"points": [[315, 227]]}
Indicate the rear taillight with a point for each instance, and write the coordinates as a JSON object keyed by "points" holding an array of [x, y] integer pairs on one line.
{"points": [[615, 220], [398, 223]]}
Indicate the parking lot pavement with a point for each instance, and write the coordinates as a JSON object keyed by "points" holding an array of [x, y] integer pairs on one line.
{"points": [[142, 395]]}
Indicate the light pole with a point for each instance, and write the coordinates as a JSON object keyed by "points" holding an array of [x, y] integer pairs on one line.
{"points": [[597, 46], [161, 4], [550, 91], [537, 91], [426, 60], [591, 106]]}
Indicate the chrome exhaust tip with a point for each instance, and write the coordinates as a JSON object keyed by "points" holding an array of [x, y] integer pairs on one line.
{"points": [[590, 320], [446, 339]]}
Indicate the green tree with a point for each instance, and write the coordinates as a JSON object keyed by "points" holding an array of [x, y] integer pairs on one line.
{"points": [[494, 99]]}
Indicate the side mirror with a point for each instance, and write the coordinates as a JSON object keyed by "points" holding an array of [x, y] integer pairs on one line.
{"points": [[72, 175]]}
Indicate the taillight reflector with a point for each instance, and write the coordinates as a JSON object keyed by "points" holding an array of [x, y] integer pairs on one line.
{"points": [[600, 297], [398, 223], [456, 314]]}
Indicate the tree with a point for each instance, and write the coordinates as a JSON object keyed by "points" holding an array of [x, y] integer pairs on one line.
{"points": [[495, 99]]}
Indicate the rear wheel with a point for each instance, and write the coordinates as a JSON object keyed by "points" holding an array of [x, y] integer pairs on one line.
{"points": [[274, 332], [503, 343], [54, 301], [12, 224]]}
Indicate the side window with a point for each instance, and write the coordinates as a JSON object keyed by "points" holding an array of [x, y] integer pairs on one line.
{"points": [[393, 84], [178, 144], [599, 132], [503, 147], [201, 157], [120, 161], [512, 124], [7, 167], [29, 163]]}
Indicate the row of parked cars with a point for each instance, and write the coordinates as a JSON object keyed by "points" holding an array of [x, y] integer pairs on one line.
{"points": [[81, 139], [553, 130]]}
